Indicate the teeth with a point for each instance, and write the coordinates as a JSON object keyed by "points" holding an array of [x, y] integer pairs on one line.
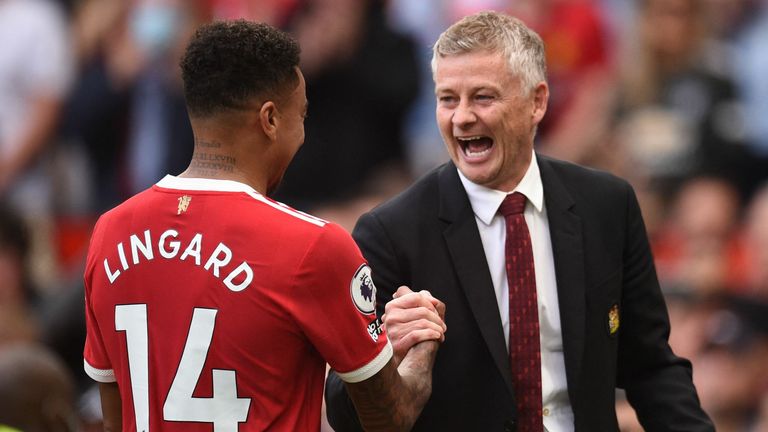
{"points": [[466, 148], [468, 152]]}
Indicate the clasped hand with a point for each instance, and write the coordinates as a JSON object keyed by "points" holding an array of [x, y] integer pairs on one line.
{"points": [[413, 317]]}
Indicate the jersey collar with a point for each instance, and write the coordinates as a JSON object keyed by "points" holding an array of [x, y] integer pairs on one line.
{"points": [[204, 184], [485, 202]]}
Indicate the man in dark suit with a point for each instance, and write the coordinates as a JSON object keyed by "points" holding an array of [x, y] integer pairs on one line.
{"points": [[544, 266]]}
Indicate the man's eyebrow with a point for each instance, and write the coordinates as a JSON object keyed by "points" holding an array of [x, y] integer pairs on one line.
{"points": [[472, 89]]}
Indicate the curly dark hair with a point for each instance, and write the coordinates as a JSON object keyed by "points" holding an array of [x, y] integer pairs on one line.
{"points": [[228, 63]]}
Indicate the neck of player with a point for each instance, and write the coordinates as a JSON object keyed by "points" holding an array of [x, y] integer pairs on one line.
{"points": [[225, 150]]}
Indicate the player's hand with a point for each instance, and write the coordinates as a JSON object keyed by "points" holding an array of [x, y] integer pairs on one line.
{"points": [[413, 317], [438, 305]]}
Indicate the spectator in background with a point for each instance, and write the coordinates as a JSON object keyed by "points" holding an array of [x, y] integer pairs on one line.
{"points": [[34, 74], [751, 63], [761, 423], [740, 29], [35, 71], [581, 74], [17, 317], [36, 391], [726, 339], [730, 370], [756, 241], [126, 108], [274, 12], [699, 249], [361, 79], [677, 115]]}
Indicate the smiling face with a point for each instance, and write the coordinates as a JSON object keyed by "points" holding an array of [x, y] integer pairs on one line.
{"points": [[486, 119]]}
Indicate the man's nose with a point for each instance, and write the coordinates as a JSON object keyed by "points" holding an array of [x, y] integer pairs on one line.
{"points": [[463, 115]]}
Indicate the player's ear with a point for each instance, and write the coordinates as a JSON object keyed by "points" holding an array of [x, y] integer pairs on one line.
{"points": [[269, 119]]}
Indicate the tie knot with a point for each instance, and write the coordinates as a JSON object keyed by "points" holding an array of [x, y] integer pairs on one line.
{"points": [[512, 204]]}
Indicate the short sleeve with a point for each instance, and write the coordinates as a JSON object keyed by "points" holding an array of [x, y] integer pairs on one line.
{"points": [[338, 313], [95, 360]]}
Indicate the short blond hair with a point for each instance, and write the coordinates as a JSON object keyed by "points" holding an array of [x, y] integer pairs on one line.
{"points": [[496, 32]]}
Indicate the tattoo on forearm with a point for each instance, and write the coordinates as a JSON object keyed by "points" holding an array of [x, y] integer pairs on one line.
{"points": [[393, 399], [377, 412]]}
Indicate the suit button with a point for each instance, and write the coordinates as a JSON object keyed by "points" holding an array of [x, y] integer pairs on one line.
{"points": [[509, 426]]}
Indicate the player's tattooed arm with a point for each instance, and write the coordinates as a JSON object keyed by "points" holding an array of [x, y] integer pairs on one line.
{"points": [[392, 399]]}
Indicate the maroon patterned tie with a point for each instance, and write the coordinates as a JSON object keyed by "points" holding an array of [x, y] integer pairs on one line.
{"points": [[524, 346]]}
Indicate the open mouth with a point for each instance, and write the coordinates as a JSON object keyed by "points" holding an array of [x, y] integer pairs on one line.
{"points": [[476, 146]]}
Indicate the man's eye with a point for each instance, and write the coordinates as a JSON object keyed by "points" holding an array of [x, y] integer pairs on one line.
{"points": [[483, 97], [446, 99]]}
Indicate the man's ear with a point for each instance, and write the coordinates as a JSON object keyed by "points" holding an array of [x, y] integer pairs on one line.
{"points": [[540, 96], [268, 119]]}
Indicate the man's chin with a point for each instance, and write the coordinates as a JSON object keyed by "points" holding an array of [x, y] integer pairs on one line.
{"points": [[475, 174]]}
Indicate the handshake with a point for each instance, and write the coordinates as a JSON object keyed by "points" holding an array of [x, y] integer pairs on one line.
{"points": [[394, 398], [411, 318]]}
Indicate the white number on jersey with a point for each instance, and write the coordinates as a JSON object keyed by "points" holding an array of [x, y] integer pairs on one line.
{"points": [[225, 410]]}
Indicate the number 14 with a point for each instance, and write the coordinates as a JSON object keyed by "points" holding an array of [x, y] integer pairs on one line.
{"points": [[225, 410]]}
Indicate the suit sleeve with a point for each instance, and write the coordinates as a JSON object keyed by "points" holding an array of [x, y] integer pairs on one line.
{"points": [[658, 384], [376, 248]]}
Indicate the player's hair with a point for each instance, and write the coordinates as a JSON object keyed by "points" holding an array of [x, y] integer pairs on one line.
{"points": [[229, 63], [496, 32]]}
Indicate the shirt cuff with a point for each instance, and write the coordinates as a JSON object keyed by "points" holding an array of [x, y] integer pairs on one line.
{"points": [[370, 369], [100, 375]]}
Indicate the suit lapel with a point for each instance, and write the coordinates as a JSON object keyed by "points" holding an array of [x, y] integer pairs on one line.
{"points": [[466, 250], [566, 232]]}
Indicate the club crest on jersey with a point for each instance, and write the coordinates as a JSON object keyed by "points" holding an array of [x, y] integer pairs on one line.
{"points": [[183, 204], [363, 290], [613, 320]]}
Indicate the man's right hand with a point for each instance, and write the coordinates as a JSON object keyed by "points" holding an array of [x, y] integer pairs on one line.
{"points": [[413, 317], [393, 398]]}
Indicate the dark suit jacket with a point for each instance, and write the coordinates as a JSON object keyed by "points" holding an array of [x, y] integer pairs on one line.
{"points": [[427, 238]]}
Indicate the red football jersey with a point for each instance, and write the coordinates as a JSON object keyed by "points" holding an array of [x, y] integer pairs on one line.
{"points": [[215, 309]]}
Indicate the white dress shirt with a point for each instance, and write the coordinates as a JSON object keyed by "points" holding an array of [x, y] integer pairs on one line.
{"points": [[558, 415]]}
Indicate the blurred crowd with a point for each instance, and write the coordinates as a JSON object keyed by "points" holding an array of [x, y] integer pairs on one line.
{"points": [[669, 94]]}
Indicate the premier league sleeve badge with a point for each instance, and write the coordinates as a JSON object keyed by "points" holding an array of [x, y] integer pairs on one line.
{"points": [[363, 290]]}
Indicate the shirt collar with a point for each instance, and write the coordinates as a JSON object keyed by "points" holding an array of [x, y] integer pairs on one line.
{"points": [[204, 184], [485, 202]]}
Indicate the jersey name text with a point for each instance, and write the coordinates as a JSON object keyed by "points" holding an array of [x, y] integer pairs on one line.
{"points": [[238, 278]]}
